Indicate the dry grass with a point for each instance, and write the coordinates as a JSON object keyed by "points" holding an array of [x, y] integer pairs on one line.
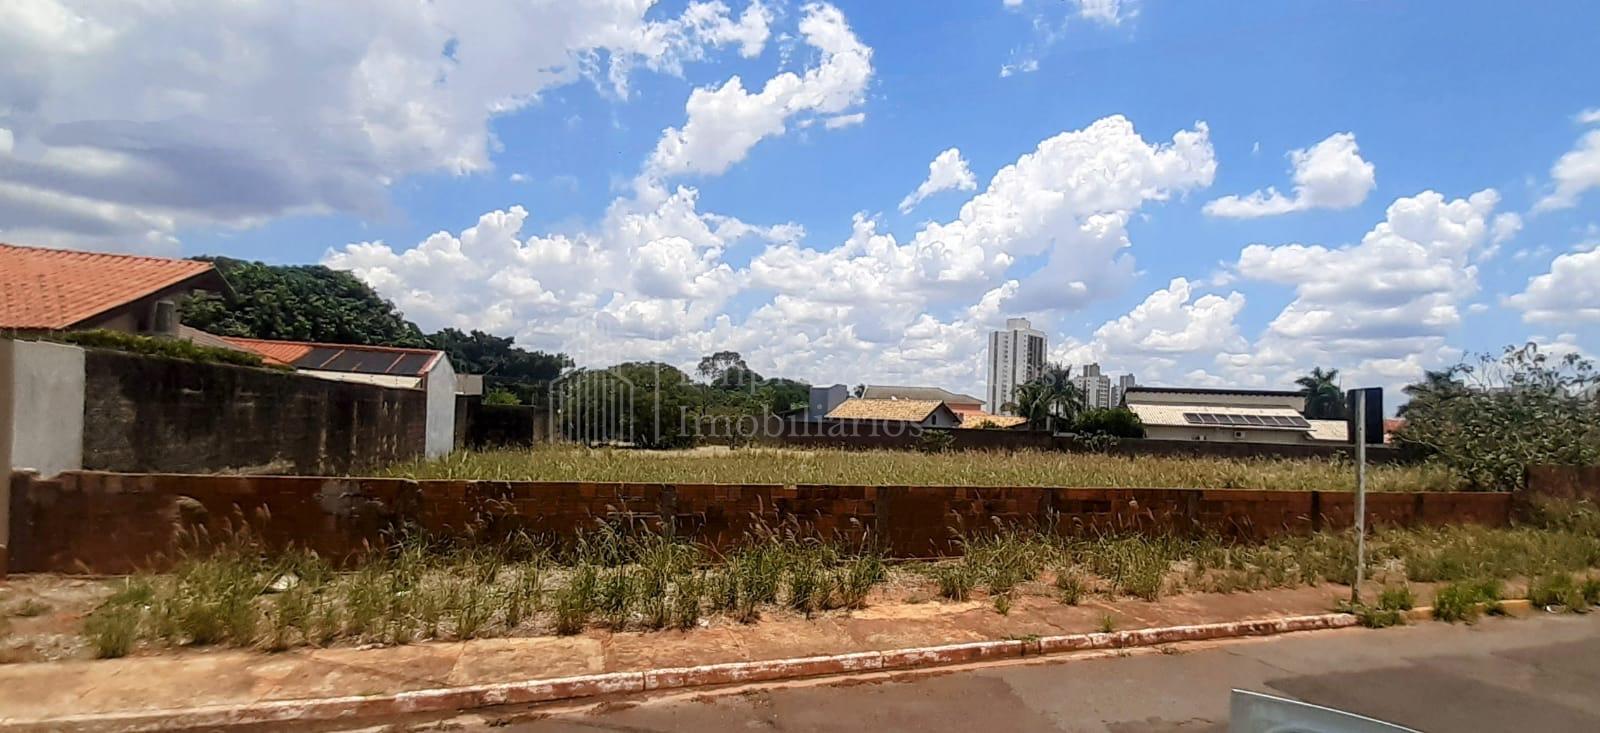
{"points": [[622, 578], [1026, 468]]}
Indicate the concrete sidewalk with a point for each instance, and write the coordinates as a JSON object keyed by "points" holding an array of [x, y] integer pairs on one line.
{"points": [[221, 678]]}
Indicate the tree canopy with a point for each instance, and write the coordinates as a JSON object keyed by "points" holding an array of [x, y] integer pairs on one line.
{"points": [[315, 303], [298, 303], [1324, 398], [498, 357], [1049, 399], [1492, 418]]}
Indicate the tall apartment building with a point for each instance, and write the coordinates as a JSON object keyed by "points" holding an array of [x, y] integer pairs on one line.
{"points": [[1016, 355], [1124, 383], [1096, 387]]}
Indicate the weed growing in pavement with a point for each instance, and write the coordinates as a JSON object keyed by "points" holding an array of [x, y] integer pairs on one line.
{"points": [[956, 579], [1558, 590], [686, 599], [1461, 600], [1070, 586], [112, 630], [1397, 598], [576, 600], [857, 578], [1590, 590]]}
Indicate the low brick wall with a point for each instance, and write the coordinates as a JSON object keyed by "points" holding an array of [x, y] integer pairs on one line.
{"points": [[115, 523], [1564, 482]]}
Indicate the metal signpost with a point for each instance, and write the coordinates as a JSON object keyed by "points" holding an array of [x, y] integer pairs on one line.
{"points": [[1361, 499]]}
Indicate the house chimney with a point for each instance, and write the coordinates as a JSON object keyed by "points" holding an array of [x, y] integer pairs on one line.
{"points": [[166, 319]]}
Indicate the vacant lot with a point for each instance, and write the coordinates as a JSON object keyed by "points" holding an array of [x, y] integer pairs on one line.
{"points": [[618, 578], [1027, 468]]}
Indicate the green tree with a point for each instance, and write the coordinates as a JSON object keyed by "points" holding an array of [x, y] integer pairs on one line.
{"points": [[1493, 418], [1434, 385], [1324, 399], [1048, 400], [647, 403], [779, 394], [727, 370], [525, 374], [1117, 422], [501, 396], [298, 303]]}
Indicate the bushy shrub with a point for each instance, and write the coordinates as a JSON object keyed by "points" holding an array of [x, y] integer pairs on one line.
{"points": [[169, 348], [1492, 419], [1118, 422], [1461, 601]]}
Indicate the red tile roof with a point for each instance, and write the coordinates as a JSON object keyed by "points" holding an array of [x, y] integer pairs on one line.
{"points": [[343, 357], [57, 289]]}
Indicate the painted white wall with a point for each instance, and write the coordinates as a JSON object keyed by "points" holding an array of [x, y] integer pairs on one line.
{"points": [[441, 387], [41, 412]]}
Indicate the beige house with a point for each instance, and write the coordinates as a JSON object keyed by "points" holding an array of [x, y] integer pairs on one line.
{"points": [[1229, 415], [922, 413]]}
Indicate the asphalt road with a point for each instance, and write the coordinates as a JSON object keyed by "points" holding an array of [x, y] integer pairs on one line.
{"points": [[1538, 674]]}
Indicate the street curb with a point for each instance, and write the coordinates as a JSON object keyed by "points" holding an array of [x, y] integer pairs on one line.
{"points": [[1514, 607], [571, 688]]}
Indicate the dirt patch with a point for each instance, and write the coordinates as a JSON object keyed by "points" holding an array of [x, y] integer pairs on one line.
{"points": [[41, 617]]}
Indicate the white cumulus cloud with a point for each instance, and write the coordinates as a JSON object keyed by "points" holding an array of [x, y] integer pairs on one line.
{"points": [[129, 120], [1569, 292], [1574, 173], [725, 122], [947, 172], [1328, 175]]}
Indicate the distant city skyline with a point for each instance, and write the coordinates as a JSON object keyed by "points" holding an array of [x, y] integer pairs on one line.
{"points": [[1016, 355]]}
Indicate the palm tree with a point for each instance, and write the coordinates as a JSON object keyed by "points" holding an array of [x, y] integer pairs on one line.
{"points": [[1324, 398], [1434, 385], [1050, 397]]}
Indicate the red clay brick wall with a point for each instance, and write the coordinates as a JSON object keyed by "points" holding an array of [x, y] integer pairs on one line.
{"points": [[1565, 482], [116, 523]]}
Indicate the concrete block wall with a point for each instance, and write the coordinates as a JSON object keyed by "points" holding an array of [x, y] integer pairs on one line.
{"points": [[164, 415], [116, 523]]}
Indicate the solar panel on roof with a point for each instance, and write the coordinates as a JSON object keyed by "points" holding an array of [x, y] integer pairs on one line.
{"points": [[410, 364], [1233, 420], [318, 357]]}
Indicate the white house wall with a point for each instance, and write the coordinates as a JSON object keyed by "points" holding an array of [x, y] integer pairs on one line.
{"points": [[440, 384]]}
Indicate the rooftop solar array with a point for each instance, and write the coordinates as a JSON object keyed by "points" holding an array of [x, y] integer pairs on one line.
{"points": [[364, 361], [1246, 421]]}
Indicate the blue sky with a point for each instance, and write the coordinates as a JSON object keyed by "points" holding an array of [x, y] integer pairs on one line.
{"points": [[666, 212]]}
